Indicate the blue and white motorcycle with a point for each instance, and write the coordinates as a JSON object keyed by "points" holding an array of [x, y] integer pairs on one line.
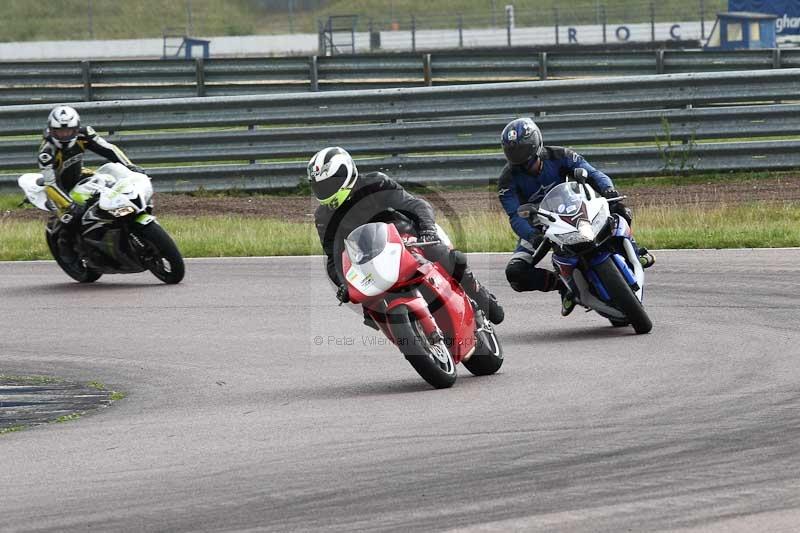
{"points": [[593, 252]]}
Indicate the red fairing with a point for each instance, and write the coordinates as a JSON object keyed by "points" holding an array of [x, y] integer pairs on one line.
{"points": [[356, 296], [451, 310]]}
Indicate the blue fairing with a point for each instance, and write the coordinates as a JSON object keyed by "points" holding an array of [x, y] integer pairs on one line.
{"points": [[598, 285], [623, 267], [599, 258]]}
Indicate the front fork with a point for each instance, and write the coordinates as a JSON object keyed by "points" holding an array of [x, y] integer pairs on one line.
{"points": [[625, 258]]}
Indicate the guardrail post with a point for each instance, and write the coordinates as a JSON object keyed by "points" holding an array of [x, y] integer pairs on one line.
{"points": [[776, 58], [659, 61], [555, 17], [86, 77], [508, 26], [543, 66], [313, 73], [460, 31], [200, 76], [251, 127], [605, 23], [427, 73], [652, 21], [413, 33], [702, 20]]}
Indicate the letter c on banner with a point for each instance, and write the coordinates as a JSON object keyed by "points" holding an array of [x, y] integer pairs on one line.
{"points": [[623, 33], [672, 32]]}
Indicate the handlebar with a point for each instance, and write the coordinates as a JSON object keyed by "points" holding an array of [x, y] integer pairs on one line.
{"points": [[417, 244], [529, 210]]}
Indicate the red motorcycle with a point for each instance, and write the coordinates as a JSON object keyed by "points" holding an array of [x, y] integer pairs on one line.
{"points": [[418, 305]]}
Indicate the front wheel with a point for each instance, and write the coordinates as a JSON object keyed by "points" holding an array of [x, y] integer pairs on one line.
{"points": [[77, 270], [430, 357], [488, 355], [623, 297], [158, 252]]}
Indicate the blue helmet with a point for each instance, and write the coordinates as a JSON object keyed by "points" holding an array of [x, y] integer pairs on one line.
{"points": [[522, 141]]}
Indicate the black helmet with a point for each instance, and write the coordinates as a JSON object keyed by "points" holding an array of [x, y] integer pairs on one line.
{"points": [[522, 141]]}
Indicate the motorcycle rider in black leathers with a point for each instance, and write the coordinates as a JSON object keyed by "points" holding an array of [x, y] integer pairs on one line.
{"points": [[61, 163], [532, 170], [349, 200]]}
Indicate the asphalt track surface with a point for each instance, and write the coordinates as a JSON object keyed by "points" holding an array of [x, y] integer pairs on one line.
{"points": [[254, 403]]}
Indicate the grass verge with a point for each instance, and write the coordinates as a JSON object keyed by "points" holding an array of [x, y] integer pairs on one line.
{"points": [[756, 225]]}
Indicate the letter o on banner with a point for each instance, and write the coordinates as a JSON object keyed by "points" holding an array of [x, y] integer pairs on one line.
{"points": [[673, 32], [623, 33]]}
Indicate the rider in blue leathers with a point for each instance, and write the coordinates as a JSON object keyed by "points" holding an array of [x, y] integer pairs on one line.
{"points": [[532, 170]]}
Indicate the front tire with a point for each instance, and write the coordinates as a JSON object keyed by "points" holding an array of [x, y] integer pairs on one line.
{"points": [[623, 297], [488, 355], [77, 270], [430, 357], [158, 252]]}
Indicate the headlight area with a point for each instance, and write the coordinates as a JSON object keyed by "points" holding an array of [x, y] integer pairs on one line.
{"points": [[122, 211]]}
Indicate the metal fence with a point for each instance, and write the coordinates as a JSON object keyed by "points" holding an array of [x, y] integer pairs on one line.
{"points": [[32, 82], [625, 126]]}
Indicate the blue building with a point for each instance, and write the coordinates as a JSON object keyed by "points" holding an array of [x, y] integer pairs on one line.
{"points": [[743, 30]]}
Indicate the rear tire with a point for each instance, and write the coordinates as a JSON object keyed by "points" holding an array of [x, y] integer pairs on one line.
{"points": [[623, 297], [78, 270], [488, 356], [160, 254], [432, 360]]}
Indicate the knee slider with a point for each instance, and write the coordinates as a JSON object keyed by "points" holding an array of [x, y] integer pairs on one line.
{"points": [[458, 257]]}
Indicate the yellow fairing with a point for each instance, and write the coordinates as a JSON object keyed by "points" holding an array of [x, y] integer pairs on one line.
{"points": [[58, 198]]}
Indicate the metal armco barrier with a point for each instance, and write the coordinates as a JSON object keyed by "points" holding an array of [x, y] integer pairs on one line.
{"points": [[73, 81], [421, 134]]}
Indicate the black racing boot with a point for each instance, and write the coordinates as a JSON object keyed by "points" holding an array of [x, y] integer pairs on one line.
{"points": [[485, 299], [567, 301]]}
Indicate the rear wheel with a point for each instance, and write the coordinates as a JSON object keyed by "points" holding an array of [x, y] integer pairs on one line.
{"points": [[623, 297], [158, 252], [77, 270], [488, 355], [429, 355]]}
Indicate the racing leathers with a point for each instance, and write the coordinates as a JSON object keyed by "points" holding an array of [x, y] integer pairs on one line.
{"points": [[377, 198], [62, 169], [519, 184]]}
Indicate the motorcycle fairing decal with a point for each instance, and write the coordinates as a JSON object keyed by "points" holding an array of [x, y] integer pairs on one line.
{"points": [[622, 228], [565, 265], [144, 219], [573, 220], [623, 267], [379, 274]]}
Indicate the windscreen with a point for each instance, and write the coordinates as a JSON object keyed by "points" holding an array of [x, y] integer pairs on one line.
{"points": [[366, 242], [564, 199]]}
